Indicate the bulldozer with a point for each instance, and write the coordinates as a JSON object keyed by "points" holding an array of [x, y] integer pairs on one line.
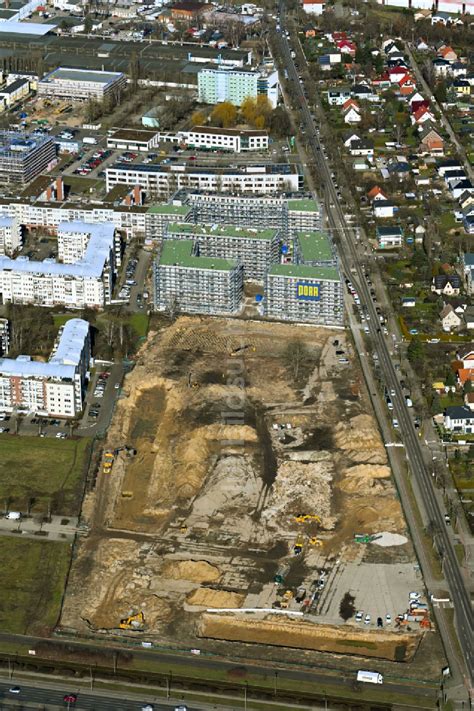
{"points": [[304, 518], [133, 622], [313, 541]]}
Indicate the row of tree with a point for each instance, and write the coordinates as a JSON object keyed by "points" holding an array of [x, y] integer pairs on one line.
{"points": [[254, 111]]}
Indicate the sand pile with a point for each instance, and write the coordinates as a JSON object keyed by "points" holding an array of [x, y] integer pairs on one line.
{"points": [[360, 440], [196, 571], [388, 539], [206, 597], [232, 485], [302, 487], [364, 479], [285, 632]]}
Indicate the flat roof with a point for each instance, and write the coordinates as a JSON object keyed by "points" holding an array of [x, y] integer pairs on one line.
{"points": [[304, 271], [71, 74], [131, 134], [315, 246], [63, 362], [185, 169], [303, 205], [226, 131], [179, 253], [222, 231], [92, 263], [25, 28], [169, 209]]}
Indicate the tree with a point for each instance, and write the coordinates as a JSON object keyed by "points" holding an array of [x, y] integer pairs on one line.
{"points": [[295, 354], [224, 114], [467, 387], [436, 406], [415, 351], [279, 123], [347, 607], [88, 24], [450, 379], [198, 118]]}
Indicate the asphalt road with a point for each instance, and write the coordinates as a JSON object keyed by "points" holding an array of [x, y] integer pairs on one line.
{"points": [[351, 260]]}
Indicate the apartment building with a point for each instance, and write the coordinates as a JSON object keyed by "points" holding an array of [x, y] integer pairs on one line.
{"points": [[255, 249], [158, 217], [23, 156], [278, 212], [225, 139], [80, 84], [186, 282], [314, 249], [304, 294], [165, 180], [87, 282], [55, 388], [4, 336], [10, 235], [217, 84]]}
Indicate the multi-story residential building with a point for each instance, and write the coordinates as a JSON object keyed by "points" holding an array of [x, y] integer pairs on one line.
{"points": [[165, 180], [23, 156], [4, 336], [55, 388], [10, 235], [87, 282], [158, 217], [234, 85], [204, 285], [278, 212], [225, 139], [315, 249], [255, 249], [80, 84], [304, 294]]}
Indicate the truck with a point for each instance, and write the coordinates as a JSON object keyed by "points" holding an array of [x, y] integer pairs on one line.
{"points": [[369, 677], [91, 140], [13, 516]]}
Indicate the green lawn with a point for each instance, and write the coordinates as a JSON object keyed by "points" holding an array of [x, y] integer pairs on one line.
{"points": [[60, 319], [50, 471], [139, 322], [32, 575]]}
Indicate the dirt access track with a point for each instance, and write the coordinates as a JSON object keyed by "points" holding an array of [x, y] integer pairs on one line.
{"points": [[234, 439]]}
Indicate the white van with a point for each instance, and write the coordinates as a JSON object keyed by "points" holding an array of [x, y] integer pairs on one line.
{"points": [[370, 677], [13, 516]]}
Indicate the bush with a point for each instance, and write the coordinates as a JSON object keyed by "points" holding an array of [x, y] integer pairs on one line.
{"points": [[347, 607]]}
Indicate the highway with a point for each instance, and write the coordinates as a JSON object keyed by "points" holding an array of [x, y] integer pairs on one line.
{"points": [[351, 262]]}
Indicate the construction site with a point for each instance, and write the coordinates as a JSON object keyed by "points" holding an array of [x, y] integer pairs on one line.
{"points": [[243, 494]]}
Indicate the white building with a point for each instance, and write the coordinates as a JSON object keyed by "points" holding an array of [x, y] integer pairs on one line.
{"points": [[87, 282], [55, 388], [226, 139], [128, 139], [80, 84], [10, 235], [232, 84], [159, 179], [314, 8]]}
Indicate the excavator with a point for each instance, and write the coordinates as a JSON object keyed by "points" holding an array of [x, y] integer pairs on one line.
{"points": [[126, 448], [133, 622], [304, 518]]}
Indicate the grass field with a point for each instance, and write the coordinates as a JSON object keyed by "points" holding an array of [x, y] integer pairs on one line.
{"points": [[39, 472], [32, 578]]}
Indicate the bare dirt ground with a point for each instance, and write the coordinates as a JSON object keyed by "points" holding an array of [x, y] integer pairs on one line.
{"points": [[230, 449]]}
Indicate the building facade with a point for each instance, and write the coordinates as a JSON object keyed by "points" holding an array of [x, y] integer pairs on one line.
{"points": [[55, 388], [10, 235], [80, 84], [255, 249], [23, 156], [192, 284], [85, 282], [232, 84], [225, 139], [163, 180], [304, 294]]}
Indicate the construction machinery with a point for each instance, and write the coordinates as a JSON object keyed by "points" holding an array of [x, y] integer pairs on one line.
{"points": [[298, 547], [304, 518], [236, 351], [127, 494], [126, 448], [365, 537], [313, 541], [133, 622]]}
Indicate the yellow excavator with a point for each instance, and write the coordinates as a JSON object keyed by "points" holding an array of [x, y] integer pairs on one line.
{"points": [[313, 541], [304, 518], [133, 622]]}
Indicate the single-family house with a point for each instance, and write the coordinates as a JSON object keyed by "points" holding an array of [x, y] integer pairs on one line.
{"points": [[453, 175], [469, 317], [468, 219], [420, 15], [447, 165], [422, 114], [446, 52], [390, 45], [446, 284], [467, 359], [431, 141], [468, 269], [362, 147], [350, 137], [314, 7], [337, 96], [465, 199], [408, 302], [376, 193], [456, 188], [458, 69], [415, 98], [396, 74], [346, 47], [382, 82], [352, 115], [407, 85], [461, 87], [449, 318], [459, 418], [398, 166], [441, 67], [384, 208], [361, 91], [389, 237]]}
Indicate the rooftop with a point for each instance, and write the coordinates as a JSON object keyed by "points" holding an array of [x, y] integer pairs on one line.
{"points": [[303, 205], [169, 209], [179, 253], [131, 134], [304, 271], [315, 246], [20, 143], [69, 74], [221, 231], [12, 27]]}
